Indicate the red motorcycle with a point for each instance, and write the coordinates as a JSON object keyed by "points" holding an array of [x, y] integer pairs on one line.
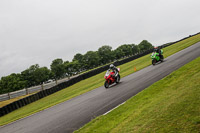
{"points": [[110, 78]]}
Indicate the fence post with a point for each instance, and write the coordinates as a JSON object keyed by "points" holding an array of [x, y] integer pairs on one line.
{"points": [[9, 96], [26, 91], [42, 87]]}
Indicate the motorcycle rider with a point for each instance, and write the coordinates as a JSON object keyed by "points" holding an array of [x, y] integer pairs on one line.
{"points": [[114, 69], [158, 50]]}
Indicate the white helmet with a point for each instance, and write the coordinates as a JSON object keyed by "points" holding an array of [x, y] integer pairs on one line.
{"points": [[111, 66]]}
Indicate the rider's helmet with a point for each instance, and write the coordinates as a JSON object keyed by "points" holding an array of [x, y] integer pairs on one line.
{"points": [[155, 49], [111, 66]]}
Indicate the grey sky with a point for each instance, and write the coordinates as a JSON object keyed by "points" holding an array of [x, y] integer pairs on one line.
{"points": [[39, 31]]}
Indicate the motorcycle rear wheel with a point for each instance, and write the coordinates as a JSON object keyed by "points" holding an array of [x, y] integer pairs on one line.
{"points": [[117, 78], [162, 58]]}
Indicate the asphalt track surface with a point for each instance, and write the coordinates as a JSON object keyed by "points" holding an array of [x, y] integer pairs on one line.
{"points": [[73, 114]]}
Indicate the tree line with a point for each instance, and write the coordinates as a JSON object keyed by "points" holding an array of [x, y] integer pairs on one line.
{"points": [[36, 75]]}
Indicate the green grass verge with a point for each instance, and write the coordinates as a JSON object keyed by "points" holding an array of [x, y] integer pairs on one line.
{"points": [[169, 105], [91, 83]]}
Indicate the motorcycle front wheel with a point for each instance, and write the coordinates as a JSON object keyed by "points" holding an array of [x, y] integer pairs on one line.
{"points": [[153, 62], [106, 84]]}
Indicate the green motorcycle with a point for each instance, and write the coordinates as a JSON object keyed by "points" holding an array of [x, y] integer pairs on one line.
{"points": [[156, 58]]}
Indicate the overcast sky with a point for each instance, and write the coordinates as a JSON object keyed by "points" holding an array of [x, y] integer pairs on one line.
{"points": [[39, 31]]}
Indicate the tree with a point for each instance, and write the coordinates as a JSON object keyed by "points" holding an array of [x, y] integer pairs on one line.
{"points": [[118, 53], [72, 68], [135, 49], [145, 45], [35, 75], [41, 75], [91, 59], [58, 68], [11, 83], [2, 90], [105, 53], [28, 75], [123, 50], [78, 57], [127, 49]]}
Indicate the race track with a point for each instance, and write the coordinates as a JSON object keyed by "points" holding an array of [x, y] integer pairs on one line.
{"points": [[73, 114]]}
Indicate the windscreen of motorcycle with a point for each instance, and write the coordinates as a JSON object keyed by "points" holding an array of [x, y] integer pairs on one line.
{"points": [[118, 69], [107, 74], [152, 55]]}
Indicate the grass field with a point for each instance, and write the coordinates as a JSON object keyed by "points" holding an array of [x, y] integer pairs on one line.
{"points": [[91, 83], [169, 105]]}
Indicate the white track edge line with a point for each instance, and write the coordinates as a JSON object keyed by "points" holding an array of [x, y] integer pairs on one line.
{"points": [[114, 108]]}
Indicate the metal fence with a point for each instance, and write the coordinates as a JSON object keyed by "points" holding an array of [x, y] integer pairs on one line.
{"points": [[30, 90]]}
